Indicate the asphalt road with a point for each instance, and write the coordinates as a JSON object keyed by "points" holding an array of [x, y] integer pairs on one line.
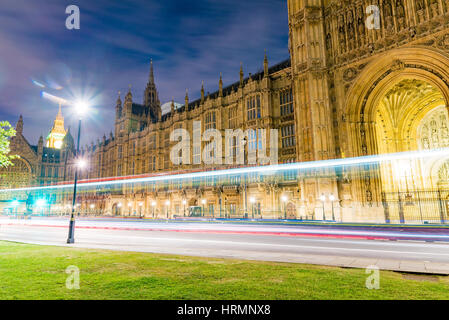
{"points": [[299, 244]]}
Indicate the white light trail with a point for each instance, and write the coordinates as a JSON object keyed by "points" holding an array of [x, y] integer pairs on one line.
{"points": [[269, 169]]}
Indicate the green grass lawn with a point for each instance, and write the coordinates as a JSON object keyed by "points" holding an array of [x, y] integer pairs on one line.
{"points": [[38, 272]]}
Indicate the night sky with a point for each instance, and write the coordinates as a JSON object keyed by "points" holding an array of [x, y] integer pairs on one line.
{"points": [[189, 41]]}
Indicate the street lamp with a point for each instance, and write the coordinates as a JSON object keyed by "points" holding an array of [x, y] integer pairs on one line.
{"points": [[153, 204], [41, 203], [252, 200], [203, 202], [130, 204], [81, 108], [323, 198], [140, 209], [184, 202], [284, 200], [167, 204], [332, 199]]}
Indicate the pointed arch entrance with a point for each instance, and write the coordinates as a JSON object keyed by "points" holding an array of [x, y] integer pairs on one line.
{"points": [[399, 104]]}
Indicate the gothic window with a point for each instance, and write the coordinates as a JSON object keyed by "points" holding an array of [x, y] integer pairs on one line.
{"points": [[232, 121], [253, 107], [286, 102], [288, 136], [210, 121]]}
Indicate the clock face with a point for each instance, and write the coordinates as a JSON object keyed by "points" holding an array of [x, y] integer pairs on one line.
{"points": [[58, 144]]}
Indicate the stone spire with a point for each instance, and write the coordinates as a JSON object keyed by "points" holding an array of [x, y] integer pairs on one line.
{"points": [[172, 106], [241, 74], [186, 101], [220, 86], [19, 125], [151, 96], [202, 91], [265, 65], [151, 72], [118, 107], [129, 95]]}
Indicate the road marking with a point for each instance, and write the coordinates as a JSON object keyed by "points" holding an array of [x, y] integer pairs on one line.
{"points": [[268, 244]]}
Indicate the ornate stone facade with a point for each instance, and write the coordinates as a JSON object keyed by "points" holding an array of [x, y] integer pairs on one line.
{"points": [[353, 92]]}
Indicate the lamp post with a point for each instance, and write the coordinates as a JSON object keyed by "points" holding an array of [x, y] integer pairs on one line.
{"points": [[284, 200], [184, 202], [81, 108], [323, 198], [130, 204], [332, 199], [252, 200], [167, 204], [140, 209], [203, 202], [153, 204]]}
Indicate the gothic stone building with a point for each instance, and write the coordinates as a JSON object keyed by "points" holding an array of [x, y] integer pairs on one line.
{"points": [[41, 164], [346, 91]]}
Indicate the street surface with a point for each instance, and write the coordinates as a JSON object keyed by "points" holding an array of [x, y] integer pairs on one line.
{"points": [[397, 249]]}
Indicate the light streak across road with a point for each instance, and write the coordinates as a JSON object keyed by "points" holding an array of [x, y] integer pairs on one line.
{"points": [[268, 169]]}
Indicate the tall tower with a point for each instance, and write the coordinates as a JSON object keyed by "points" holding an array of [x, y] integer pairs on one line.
{"points": [[151, 97], [57, 133], [313, 111]]}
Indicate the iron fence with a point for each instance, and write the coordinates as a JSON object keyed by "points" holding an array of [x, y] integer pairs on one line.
{"points": [[416, 207]]}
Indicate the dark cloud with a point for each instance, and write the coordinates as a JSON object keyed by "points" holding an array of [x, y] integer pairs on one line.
{"points": [[189, 41]]}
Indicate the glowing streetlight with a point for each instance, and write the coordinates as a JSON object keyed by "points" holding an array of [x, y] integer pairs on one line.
{"points": [[252, 200], [167, 204], [323, 199], [203, 202], [81, 163], [184, 202], [332, 199], [153, 204], [284, 199], [81, 108]]}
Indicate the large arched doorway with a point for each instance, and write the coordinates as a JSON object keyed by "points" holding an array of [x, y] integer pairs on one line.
{"points": [[399, 104]]}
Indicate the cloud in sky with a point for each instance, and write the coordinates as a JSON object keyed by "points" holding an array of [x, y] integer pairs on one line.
{"points": [[189, 41]]}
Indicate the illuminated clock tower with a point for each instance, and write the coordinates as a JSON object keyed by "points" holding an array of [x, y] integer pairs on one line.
{"points": [[57, 133]]}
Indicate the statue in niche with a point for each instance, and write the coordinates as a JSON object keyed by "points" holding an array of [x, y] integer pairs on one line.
{"points": [[400, 11], [434, 7], [444, 130], [388, 14], [419, 5], [341, 32], [443, 173], [426, 144], [361, 24], [329, 42], [434, 134]]}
